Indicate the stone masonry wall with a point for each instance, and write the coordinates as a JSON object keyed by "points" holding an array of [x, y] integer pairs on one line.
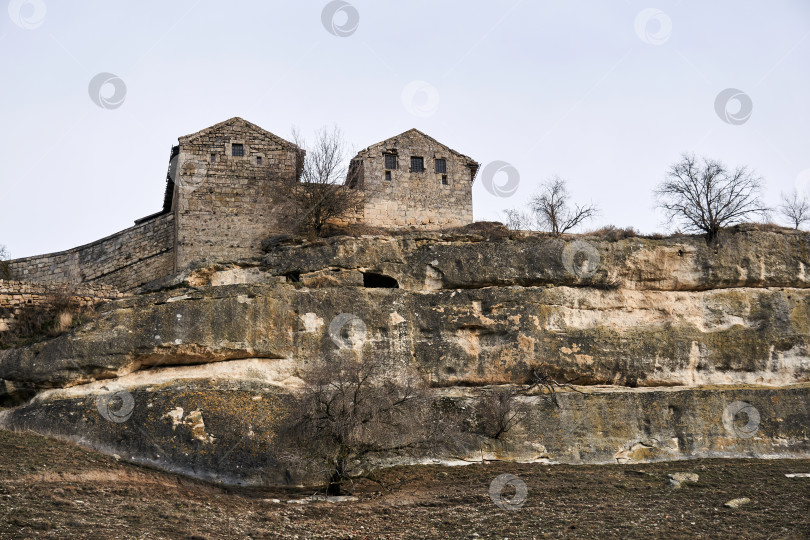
{"points": [[14, 295], [124, 260], [410, 198], [225, 204]]}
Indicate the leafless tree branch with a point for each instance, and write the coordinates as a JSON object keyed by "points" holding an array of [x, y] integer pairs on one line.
{"points": [[706, 196], [795, 208]]}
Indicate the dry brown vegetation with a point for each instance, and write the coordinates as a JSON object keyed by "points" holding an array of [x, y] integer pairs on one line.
{"points": [[35, 322], [50, 489]]}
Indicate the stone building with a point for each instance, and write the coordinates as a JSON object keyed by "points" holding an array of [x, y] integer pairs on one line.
{"points": [[412, 179], [224, 191]]}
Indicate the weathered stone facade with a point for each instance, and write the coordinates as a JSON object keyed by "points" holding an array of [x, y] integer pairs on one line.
{"points": [[227, 203], [397, 193], [225, 189]]}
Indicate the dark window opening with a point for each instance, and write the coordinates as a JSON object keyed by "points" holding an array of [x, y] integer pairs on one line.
{"points": [[213, 158], [258, 160], [237, 150], [417, 164], [293, 277], [444, 179], [441, 166], [390, 161], [388, 175], [379, 281]]}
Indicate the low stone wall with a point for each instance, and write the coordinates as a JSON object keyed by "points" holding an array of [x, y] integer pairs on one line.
{"points": [[15, 295], [124, 260]]}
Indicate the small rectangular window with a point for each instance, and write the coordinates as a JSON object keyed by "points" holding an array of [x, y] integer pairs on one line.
{"points": [[444, 180], [237, 150], [390, 161], [441, 166], [213, 158], [388, 175], [417, 164], [258, 160]]}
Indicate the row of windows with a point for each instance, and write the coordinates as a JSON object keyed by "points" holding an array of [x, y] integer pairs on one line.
{"points": [[417, 163]]}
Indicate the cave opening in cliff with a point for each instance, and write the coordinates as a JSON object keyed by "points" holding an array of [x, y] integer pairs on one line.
{"points": [[380, 281]]}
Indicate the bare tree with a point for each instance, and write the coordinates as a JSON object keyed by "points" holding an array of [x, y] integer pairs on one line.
{"points": [[5, 269], [552, 209], [706, 196], [326, 190], [353, 412], [519, 220], [795, 208], [498, 411]]}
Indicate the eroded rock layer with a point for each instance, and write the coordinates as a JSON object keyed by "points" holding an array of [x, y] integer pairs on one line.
{"points": [[208, 362]]}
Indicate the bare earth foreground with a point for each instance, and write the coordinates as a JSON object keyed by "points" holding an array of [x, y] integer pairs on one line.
{"points": [[56, 490]]}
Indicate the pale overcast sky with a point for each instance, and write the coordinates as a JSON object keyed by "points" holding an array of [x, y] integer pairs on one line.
{"points": [[606, 94]]}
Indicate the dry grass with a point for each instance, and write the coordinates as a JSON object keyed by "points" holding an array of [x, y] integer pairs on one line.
{"points": [[60, 312]]}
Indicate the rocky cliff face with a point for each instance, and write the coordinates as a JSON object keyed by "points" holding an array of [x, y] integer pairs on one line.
{"points": [[202, 362]]}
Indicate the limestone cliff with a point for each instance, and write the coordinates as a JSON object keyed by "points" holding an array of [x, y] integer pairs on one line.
{"points": [[203, 360]]}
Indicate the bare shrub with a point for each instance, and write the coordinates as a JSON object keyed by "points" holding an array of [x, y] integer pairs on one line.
{"points": [[353, 413], [5, 269], [705, 196], [519, 220], [327, 188], [540, 379], [498, 411], [490, 230], [612, 233], [795, 208]]}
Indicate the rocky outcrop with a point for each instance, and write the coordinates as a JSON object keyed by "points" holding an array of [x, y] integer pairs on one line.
{"points": [[723, 327]]}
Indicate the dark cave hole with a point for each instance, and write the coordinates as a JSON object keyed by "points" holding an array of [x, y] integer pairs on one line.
{"points": [[380, 281]]}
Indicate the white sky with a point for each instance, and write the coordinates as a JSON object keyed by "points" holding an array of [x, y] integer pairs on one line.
{"points": [[564, 87]]}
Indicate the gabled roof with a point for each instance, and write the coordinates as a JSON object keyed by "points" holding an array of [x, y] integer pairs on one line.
{"points": [[236, 120], [474, 165]]}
